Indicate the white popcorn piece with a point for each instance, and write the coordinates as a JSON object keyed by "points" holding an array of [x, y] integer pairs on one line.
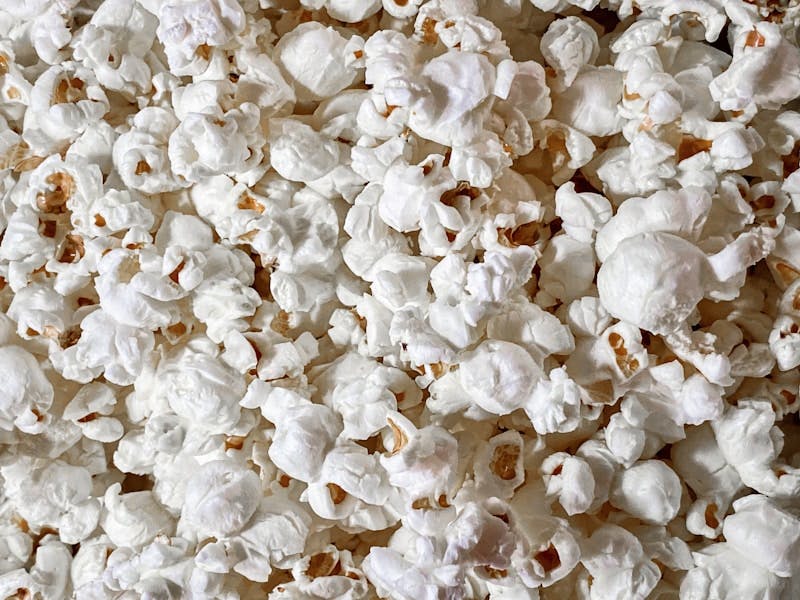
{"points": [[55, 493], [189, 29], [649, 490], [298, 153], [133, 519], [499, 376], [775, 546], [304, 435], [555, 404], [753, 460], [27, 394], [568, 45], [615, 559], [660, 299], [141, 154], [583, 214], [550, 550], [449, 99], [699, 461], [221, 496], [720, 570], [625, 440], [528, 325], [90, 410], [682, 213], [212, 144], [276, 531], [523, 86], [118, 63], [745, 81], [570, 480], [313, 58], [567, 268], [327, 574], [422, 461], [198, 386], [499, 464], [477, 537], [105, 346], [64, 102], [596, 117]]}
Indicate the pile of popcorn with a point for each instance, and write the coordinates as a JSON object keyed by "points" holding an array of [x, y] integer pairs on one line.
{"points": [[421, 300]]}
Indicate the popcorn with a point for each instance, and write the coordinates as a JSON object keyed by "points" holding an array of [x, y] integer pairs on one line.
{"points": [[744, 82], [604, 86], [220, 498], [570, 480], [238, 130], [64, 102], [133, 519], [327, 574], [756, 512], [720, 569], [568, 269], [499, 464], [310, 427], [449, 99], [53, 493], [298, 153], [550, 548], [752, 461], [118, 63], [141, 154], [402, 210], [198, 386], [649, 490], [682, 213], [189, 29], [499, 376], [104, 346], [27, 394], [568, 45], [555, 404], [421, 462], [90, 410], [584, 214], [664, 298], [616, 561], [324, 75], [408, 299], [276, 531]]}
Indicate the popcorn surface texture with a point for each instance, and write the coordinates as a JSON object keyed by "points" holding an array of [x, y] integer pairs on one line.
{"points": [[403, 299]]}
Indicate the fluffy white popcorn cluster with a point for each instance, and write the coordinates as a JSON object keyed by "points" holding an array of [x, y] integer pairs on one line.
{"points": [[406, 299]]}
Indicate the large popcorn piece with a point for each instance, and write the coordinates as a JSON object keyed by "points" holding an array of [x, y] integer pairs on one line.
{"points": [[190, 28], [655, 280], [313, 58], [499, 375], [198, 386], [402, 299], [133, 519], [450, 99], [649, 490], [766, 533], [26, 393], [747, 81], [221, 497]]}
